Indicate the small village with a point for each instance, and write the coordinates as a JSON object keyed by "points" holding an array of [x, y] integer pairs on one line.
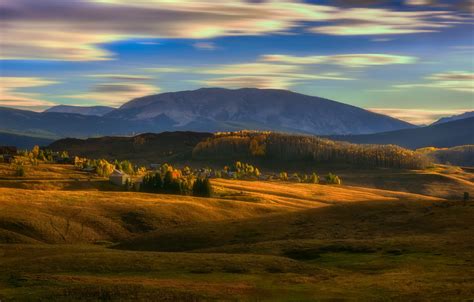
{"points": [[154, 178]]}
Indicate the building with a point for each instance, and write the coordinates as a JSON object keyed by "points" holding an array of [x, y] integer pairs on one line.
{"points": [[119, 178]]}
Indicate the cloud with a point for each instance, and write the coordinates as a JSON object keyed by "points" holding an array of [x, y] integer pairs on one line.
{"points": [[418, 116], [115, 93], [378, 21], [75, 30], [250, 81], [462, 81], [347, 60], [262, 75], [167, 69], [461, 5], [419, 2], [251, 69], [122, 77], [204, 45], [11, 94]]}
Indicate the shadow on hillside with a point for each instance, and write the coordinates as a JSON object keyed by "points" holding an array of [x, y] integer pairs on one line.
{"points": [[362, 221]]}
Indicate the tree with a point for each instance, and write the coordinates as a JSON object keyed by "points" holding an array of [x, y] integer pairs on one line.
{"points": [[257, 172], [104, 168], [314, 178], [20, 171], [35, 151], [202, 187], [126, 167], [333, 179]]}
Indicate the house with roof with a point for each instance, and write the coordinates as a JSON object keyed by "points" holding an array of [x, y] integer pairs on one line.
{"points": [[119, 178]]}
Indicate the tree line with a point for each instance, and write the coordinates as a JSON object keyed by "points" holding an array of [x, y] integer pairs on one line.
{"points": [[279, 146]]}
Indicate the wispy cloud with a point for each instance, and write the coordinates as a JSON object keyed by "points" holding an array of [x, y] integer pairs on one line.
{"points": [[462, 81], [205, 46], [75, 30], [114, 93], [263, 75], [122, 77], [250, 81], [11, 94], [418, 116], [347, 60], [159, 70]]}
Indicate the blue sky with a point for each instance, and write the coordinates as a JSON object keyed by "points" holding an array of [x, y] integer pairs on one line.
{"points": [[410, 59]]}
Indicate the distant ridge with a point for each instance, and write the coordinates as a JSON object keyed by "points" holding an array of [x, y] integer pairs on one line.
{"points": [[444, 135], [22, 141], [91, 110], [454, 117]]}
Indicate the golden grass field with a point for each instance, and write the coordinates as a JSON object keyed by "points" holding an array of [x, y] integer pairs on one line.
{"points": [[384, 235]]}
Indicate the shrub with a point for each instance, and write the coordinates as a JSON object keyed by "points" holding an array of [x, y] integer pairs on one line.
{"points": [[283, 176], [333, 179], [20, 171]]}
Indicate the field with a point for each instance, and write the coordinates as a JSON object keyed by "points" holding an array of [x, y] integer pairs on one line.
{"points": [[384, 235]]}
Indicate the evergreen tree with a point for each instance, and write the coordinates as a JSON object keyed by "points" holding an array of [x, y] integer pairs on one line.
{"points": [[202, 187]]}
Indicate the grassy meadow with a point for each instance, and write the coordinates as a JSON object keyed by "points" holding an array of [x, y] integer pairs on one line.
{"points": [[385, 235]]}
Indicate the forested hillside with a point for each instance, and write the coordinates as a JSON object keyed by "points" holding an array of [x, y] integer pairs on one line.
{"points": [[460, 155], [286, 147]]}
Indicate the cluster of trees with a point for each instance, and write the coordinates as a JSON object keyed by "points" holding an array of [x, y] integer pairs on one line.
{"points": [[242, 170], [104, 168], [46, 155], [168, 180], [278, 146], [304, 178]]}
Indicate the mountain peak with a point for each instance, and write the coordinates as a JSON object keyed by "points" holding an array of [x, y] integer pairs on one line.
{"points": [[221, 109]]}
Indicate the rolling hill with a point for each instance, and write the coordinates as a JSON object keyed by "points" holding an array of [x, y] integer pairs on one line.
{"points": [[205, 110], [65, 237], [225, 147], [143, 148], [459, 155], [91, 110], [444, 135]]}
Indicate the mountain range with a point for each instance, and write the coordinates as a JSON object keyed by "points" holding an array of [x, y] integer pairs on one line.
{"points": [[205, 110], [454, 117], [442, 135]]}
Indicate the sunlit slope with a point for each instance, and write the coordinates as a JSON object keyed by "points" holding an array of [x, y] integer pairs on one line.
{"points": [[86, 216]]}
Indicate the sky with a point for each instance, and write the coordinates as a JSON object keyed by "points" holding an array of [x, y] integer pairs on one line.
{"points": [[411, 59]]}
